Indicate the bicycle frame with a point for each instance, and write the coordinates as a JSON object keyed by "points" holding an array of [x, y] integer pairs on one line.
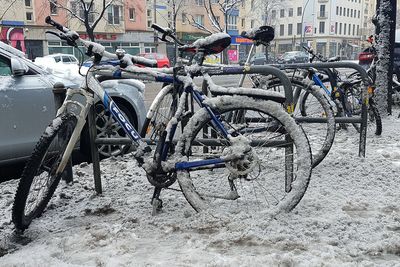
{"points": [[91, 84]]}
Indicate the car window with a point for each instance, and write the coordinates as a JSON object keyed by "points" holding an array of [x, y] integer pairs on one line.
{"points": [[57, 58], [5, 67], [66, 59], [73, 59]]}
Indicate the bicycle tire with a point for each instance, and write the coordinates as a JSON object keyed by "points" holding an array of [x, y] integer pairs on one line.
{"points": [[374, 122], [197, 185], [320, 135], [42, 161], [159, 114]]}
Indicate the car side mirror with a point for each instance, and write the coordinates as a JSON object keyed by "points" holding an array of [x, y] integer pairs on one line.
{"points": [[18, 67]]}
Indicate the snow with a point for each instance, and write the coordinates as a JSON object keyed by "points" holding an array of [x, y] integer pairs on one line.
{"points": [[349, 216]]}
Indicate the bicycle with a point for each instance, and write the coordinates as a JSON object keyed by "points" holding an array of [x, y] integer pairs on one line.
{"points": [[346, 94], [317, 105], [241, 158]]}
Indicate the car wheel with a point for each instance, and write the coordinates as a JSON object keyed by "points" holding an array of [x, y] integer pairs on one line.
{"points": [[107, 127]]}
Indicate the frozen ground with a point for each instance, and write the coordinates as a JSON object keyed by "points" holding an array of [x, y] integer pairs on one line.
{"points": [[350, 216]]}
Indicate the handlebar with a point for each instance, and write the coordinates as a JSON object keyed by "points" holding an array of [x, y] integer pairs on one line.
{"points": [[166, 32], [95, 49]]}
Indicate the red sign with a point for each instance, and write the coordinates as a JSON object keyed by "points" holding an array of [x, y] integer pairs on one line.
{"points": [[14, 37], [100, 36]]}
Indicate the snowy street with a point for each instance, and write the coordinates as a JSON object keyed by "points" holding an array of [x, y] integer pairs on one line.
{"points": [[349, 216]]}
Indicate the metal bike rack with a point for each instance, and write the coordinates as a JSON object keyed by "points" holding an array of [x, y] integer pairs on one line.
{"points": [[366, 82]]}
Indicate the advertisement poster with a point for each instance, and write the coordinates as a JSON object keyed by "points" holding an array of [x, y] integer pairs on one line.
{"points": [[14, 37], [233, 55]]}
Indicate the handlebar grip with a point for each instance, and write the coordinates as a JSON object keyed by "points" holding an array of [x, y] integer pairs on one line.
{"points": [[158, 28], [48, 20], [144, 61]]}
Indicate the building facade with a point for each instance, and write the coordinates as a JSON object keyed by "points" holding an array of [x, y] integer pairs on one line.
{"points": [[123, 25], [331, 27]]}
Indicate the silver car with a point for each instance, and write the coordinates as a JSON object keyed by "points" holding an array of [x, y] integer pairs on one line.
{"points": [[27, 106]]}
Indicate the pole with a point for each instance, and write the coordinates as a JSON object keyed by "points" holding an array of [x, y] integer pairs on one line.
{"points": [[302, 23]]}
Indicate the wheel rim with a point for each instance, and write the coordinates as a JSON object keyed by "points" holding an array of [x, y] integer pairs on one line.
{"points": [[107, 127], [45, 175], [255, 189]]}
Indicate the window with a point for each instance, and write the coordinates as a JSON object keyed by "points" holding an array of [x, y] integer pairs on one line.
{"points": [[354, 29], [273, 14], [114, 14], [28, 3], [5, 67], [337, 10], [282, 13], [281, 30], [77, 8], [200, 2], [53, 7], [148, 13], [322, 11], [358, 30], [232, 22], [132, 14], [252, 23], [66, 59], [57, 58], [358, 13], [340, 28], [290, 29], [299, 26], [299, 11], [290, 12], [252, 4], [336, 25], [199, 19], [29, 16], [348, 11], [351, 13], [322, 27], [149, 23], [243, 23], [184, 18], [340, 11], [344, 29]]}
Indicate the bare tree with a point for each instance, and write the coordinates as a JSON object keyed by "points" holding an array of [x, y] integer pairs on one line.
{"points": [[85, 12], [261, 10], [215, 9], [11, 4]]}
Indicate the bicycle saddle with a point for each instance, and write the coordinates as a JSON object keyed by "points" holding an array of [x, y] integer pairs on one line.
{"points": [[334, 59], [263, 34], [212, 44]]}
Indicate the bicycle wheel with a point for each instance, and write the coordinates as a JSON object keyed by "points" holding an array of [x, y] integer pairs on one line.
{"points": [[313, 103], [353, 102], [159, 114], [273, 171], [38, 180]]}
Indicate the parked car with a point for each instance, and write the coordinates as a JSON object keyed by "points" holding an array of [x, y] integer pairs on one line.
{"points": [[162, 60], [60, 58], [27, 106], [294, 57], [259, 59]]}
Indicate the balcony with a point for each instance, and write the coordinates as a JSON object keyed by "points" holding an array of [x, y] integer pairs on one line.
{"points": [[323, 1], [322, 15]]}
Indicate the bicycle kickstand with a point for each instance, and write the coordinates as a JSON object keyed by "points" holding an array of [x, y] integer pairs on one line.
{"points": [[156, 202]]}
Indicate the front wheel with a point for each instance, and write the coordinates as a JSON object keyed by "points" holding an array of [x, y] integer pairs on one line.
{"points": [[273, 164], [39, 179]]}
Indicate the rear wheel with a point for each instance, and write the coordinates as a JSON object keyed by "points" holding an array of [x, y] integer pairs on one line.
{"points": [[39, 179], [272, 159], [312, 103]]}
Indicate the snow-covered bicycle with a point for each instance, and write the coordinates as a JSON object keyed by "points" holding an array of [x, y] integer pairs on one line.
{"points": [[262, 160]]}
